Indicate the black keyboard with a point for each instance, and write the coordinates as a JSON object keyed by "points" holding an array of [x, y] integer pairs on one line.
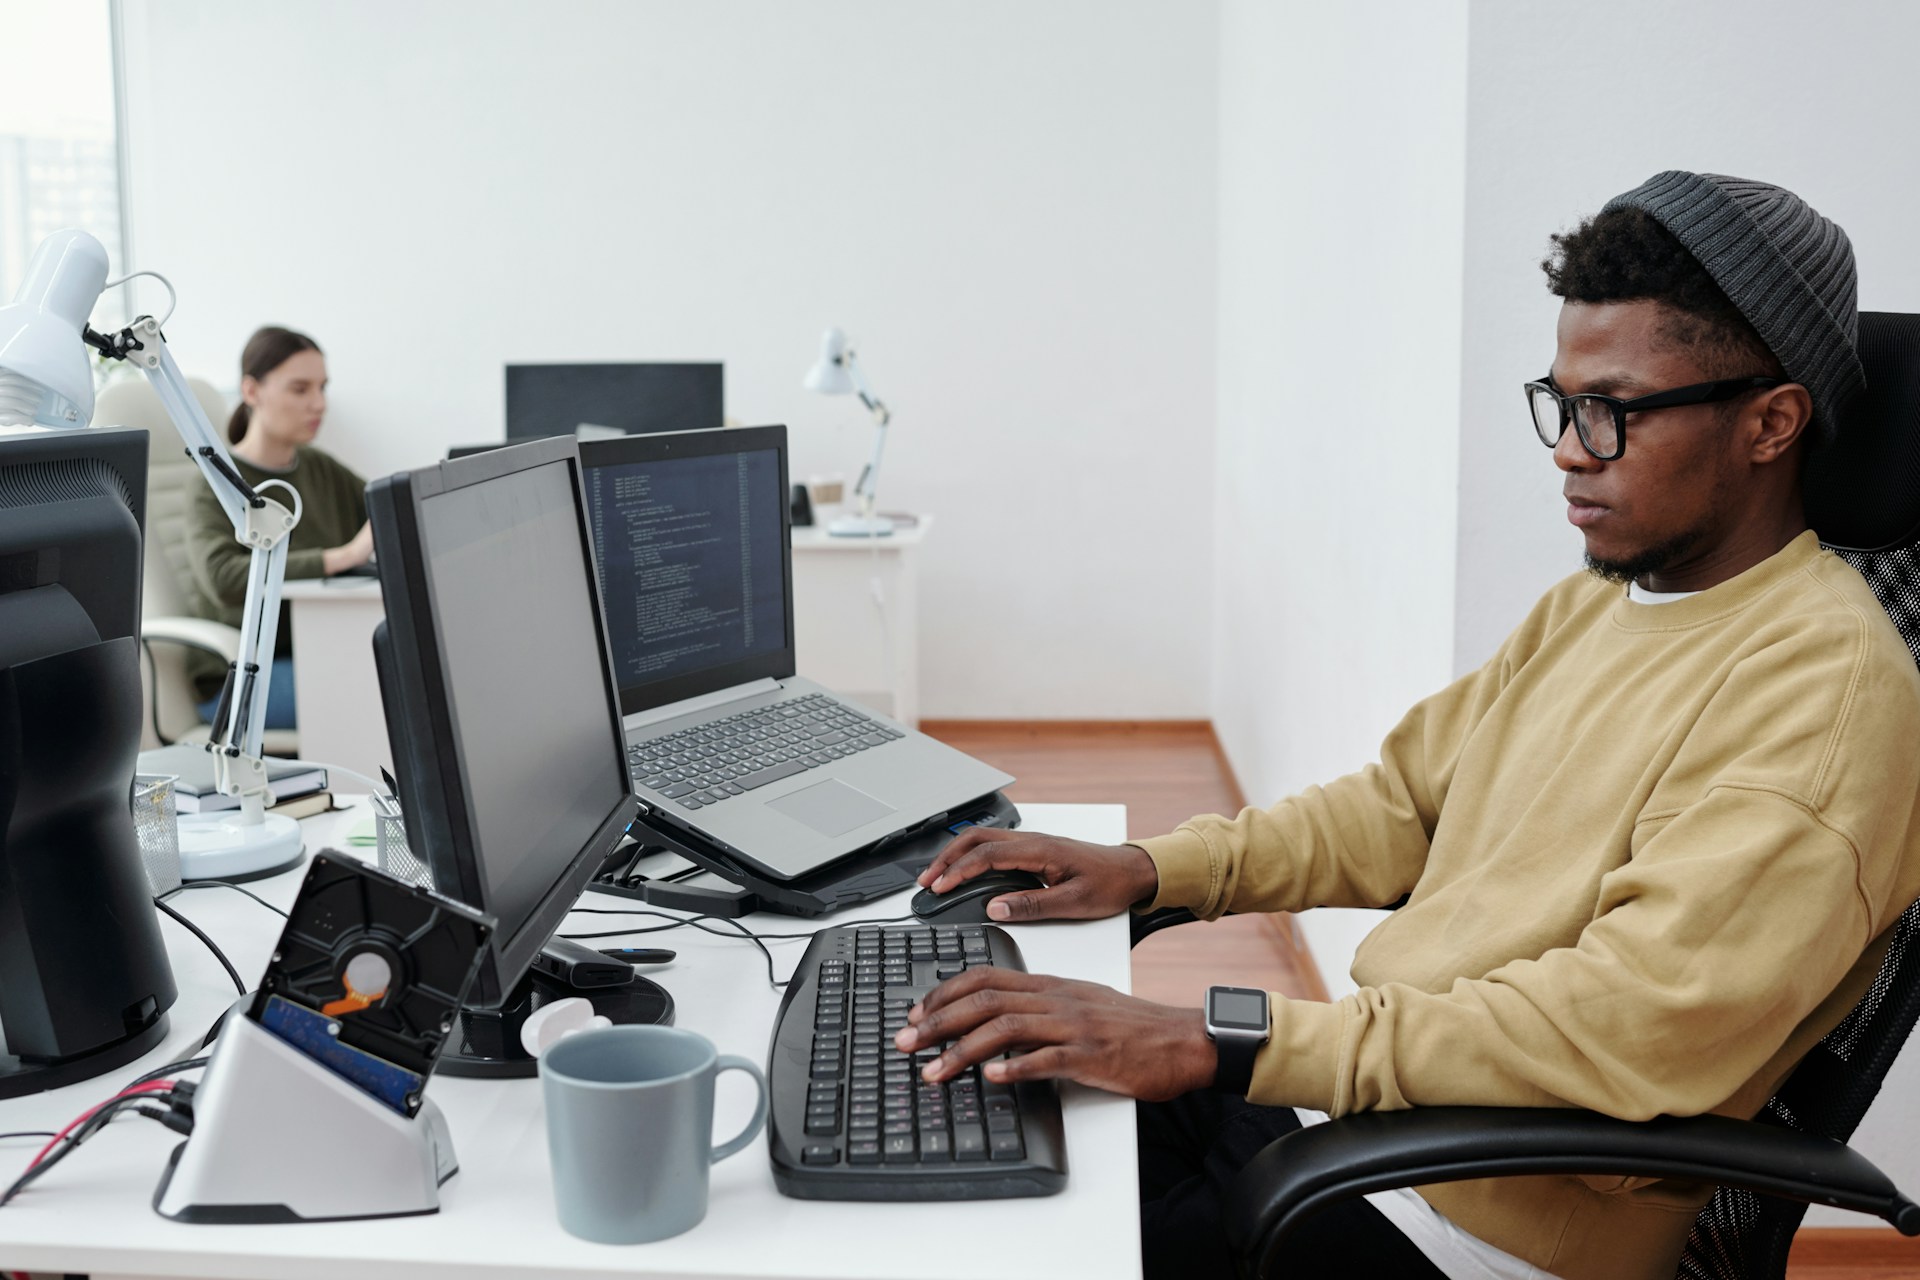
{"points": [[851, 1117], [729, 757]]}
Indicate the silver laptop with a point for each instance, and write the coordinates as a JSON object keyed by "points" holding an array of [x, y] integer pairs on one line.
{"points": [[691, 537]]}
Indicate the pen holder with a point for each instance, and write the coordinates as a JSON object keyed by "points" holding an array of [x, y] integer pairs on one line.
{"points": [[157, 831], [391, 854]]}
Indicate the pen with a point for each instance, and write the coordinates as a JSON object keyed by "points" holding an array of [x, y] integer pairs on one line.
{"points": [[639, 955]]}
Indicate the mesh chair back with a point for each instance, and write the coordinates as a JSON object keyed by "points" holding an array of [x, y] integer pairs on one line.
{"points": [[1863, 496]]}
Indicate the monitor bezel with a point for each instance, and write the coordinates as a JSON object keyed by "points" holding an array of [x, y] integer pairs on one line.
{"points": [[776, 665], [421, 724]]}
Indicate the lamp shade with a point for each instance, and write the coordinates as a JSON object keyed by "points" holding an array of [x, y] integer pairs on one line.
{"points": [[829, 375], [46, 378]]}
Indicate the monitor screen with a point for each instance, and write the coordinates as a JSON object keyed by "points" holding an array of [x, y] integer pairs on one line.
{"points": [[513, 758], [559, 399], [690, 533]]}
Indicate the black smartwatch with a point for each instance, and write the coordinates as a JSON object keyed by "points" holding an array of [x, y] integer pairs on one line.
{"points": [[1239, 1023]]}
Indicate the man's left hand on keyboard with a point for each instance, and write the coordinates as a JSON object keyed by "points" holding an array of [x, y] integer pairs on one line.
{"points": [[1070, 1030]]}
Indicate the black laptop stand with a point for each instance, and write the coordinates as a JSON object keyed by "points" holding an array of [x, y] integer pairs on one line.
{"points": [[888, 867]]}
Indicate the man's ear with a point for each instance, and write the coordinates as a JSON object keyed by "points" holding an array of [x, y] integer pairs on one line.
{"points": [[1779, 418]]}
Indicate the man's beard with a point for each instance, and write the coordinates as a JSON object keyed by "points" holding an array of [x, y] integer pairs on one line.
{"points": [[1660, 556]]}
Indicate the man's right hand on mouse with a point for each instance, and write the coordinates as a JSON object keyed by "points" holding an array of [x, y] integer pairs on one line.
{"points": [[1084, 881]]}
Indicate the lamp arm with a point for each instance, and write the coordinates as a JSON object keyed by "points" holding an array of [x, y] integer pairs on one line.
{"points": [[869, 486], [259, 523]]}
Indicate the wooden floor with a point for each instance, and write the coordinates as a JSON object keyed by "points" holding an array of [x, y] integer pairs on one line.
{"points": [[1165, 772]]}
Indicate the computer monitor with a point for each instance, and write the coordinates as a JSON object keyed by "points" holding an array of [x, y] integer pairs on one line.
{"points": [[559, 399], [504, 717], [84, 978]]}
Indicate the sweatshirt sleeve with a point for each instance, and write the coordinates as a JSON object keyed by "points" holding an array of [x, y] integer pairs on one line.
{"points": [[218, 561], [1730, 923], [1358, 841]]}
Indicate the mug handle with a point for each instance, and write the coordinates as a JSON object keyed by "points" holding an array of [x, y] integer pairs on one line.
{"points": [[733, 1062]]}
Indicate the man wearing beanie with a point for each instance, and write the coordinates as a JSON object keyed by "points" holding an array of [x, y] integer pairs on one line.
{"points": [[1650, 852]]}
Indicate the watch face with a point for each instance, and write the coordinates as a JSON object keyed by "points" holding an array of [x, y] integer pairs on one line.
{"points": [[1237, 1008]]}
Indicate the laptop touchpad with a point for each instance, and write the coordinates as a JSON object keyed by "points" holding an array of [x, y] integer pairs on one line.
{"points": [[832, 807]]}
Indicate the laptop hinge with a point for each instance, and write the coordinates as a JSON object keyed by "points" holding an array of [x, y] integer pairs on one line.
{"points": [[705, 701]]}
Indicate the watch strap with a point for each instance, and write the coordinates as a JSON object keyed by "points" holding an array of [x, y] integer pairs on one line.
{"points": [[1235, 1071]]}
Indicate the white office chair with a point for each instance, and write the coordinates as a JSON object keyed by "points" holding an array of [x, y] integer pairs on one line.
{"points": [[166, 632]]}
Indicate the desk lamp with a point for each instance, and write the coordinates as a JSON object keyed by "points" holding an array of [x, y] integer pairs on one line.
{"points": [[837, 373], [46, 381]]}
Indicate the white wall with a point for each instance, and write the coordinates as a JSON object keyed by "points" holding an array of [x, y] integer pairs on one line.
{"points": [[1820, 101], [1009, 205], [1343, 131], [1570, 104]]}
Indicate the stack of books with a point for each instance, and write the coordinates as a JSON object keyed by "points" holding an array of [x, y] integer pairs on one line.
{"points": [[298, 790]]}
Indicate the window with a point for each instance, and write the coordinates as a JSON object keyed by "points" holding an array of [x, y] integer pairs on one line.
{"points": [[59, 147]]}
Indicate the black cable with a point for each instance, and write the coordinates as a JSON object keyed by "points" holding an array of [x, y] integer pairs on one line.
{"points": [[92, 1125], [679, 922], [219, 955], [29, 1133], [185, 1064], [184, 885]]}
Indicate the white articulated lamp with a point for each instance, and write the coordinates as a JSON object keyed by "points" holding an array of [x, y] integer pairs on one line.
{"points": [[836, 373], [46, 380]]}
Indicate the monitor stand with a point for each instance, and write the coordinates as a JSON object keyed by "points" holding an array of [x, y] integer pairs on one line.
{"points": [[486, 1043]]}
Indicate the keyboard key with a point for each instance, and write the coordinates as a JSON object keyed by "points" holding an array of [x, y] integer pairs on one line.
{"points": [[820, 1153], [1007, 1146], [863, 1153], [762, 777], [674, 791], [899, 1149], [969, 1142]]}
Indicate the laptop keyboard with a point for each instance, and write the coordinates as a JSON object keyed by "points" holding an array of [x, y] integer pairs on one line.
{"points": [[721, 759]]}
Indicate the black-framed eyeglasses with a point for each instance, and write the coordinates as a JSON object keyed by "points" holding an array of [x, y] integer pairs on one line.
{"points": [[1602, 420]]}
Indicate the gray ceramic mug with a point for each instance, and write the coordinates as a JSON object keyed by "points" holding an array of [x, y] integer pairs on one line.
{"points": [[630, 1129]]}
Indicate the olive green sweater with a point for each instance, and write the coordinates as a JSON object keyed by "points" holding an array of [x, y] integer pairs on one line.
{"points": [[333, 506], [1653, 852]]}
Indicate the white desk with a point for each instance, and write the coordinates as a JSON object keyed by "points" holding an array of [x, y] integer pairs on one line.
{"points": [[859, 647], [93, 1214], [865, 650], [335, 689]]}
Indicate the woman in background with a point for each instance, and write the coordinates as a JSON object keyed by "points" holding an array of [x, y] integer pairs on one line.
{"points": [[283, 398]]}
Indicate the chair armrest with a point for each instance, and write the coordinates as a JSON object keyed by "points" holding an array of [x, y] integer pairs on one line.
{"points": [[197, 633], [1141, 927], [1307, 1171]]}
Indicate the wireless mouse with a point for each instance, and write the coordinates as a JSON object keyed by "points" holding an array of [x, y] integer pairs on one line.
{"points": [[967, 903]]}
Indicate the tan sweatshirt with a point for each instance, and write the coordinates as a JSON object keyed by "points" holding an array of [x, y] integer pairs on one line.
{"points": [[1652, 852]]}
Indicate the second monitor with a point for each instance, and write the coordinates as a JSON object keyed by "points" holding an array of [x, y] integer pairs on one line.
{"points": [[630, 399], [503, 714]]}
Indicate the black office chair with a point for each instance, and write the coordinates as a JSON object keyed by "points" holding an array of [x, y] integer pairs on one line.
{"points": [[1863, 495]]}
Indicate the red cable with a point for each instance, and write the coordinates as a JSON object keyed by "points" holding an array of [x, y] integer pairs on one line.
{"points": [[151, 1086]]}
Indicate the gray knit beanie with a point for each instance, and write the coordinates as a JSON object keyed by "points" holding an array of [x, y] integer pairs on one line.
{"points": [[1788, 270]]}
